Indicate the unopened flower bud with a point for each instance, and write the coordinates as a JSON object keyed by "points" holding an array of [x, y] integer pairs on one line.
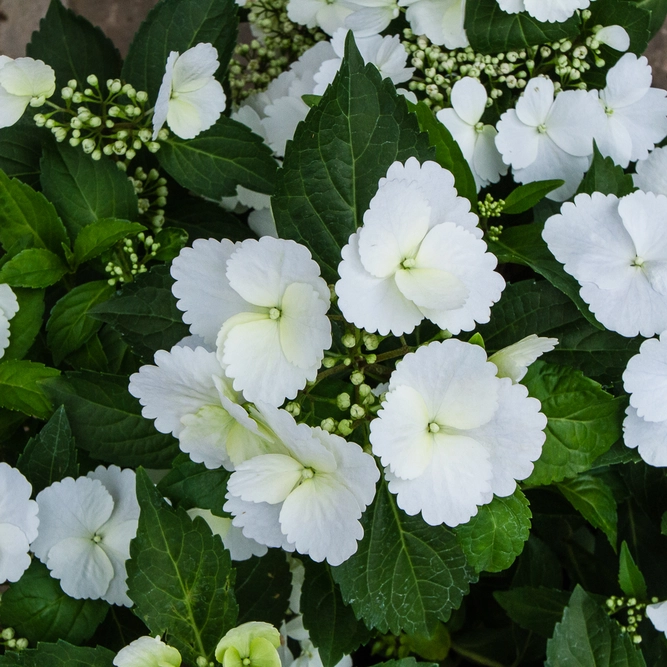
{"points": [[115, 86], [92, 80], [95, 121], [364, 390], [345, 427], [77, 98], [328, 362], [153, 146], [8, 633], [357, 378], [328, 425], [72, 83], [349, 340], [371, 342], [66, 93], [357, 412], [142, 96], [202, 661], [145, 135], [40, 119], [163, 134], [292, 407], [343, 401], [21, 644]]}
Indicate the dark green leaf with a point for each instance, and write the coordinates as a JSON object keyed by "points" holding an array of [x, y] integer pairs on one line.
{"points": [[100, 235], [174, 25], [491, 30], [180, 576], [406, 575], [21, 387], [90, 357], [106, 421], [21, 150], [61, 654], [404, 662], [171, 241], [27, 322], [33, 267], [339, 153], [50, 456], [69, 326], [526, 196], [631, 15], [606, 177], [630, 578], [27, 218], [84, 190], [332, 625], [447, 153], [145, 314], [73, 47], [658, 9], [263, 587], [536, 609], [594, 500], [583, 421], [587, 637], [38, 610], [495, 536]]}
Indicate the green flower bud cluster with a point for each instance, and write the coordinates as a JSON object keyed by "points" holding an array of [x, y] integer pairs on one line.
{"points": [[636, 612], [10, 641], [130, 258], [490, 208], [152, 192]]}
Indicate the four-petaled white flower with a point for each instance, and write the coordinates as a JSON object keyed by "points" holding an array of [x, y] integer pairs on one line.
{"points": [[635, 114], [645, 379], [440, 20], [9, 306], [86, 526], [148, 652], [23, 81], [616, 249], [545, 138], [327, 14], [551, 11], [419, 254], [190, 99], [476, 140], [263, 304], [651, 174], [310, 498], [18, 523], [513, 361], [451, 434]]}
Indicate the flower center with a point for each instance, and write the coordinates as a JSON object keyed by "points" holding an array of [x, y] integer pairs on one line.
{"points": [[637, 261], [479, 127], [274, 314], [433, 427], [246, 661], [97, 539], [542, 128], [608, 110], [307, 473], [408, 263]]}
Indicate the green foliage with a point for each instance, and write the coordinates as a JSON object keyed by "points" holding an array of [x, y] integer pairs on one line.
{"points": [[60, 654], [26, 323], [179, 576], [38, 610], [524, 197], [418, 571], [33, 267], [21, 387], [658, 9], [100, 235], [495, 536], [630, 578], [361, 126], [536, 609], [606, 177], [20, 151], [192, 484]]}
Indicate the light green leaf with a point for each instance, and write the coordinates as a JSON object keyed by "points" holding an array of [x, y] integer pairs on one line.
{"points": [[60, 654], [21, 150], [99, 236], [496, 535], [526, 196], [630, 578], [21, 387], [536, 609], [606, 177], [594, 500], [69, 326], [180, 576], [583, 421], [33, 267], [587, 637], [27, 322], [405, 575], [339, 153]]}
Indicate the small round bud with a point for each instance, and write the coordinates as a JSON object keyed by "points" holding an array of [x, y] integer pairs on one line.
{"points": [[349, 339], [153, 146], [115, 86], [40, 119], [37, 101], [163, 134], [8, 633], [365, 390], [107, 150], [343, 401], [328, 362], [328, 425], [66, 93], [345, 427], [131, 154], [77, 98], [142, 96], [95, 121], [357, 412], [72, 83], [21, 644], [293, 408], [357, 378], [11, 643], [92, 80], [371, 342], [145, 135], [202, 661], [96, 154]]}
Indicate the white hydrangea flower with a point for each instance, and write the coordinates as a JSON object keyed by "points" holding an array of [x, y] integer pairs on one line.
{"points": [[386, 53], [657, 614], [9, 306], [263, 305], [419, 254], [370, 17], [513, 361], [23, 81], [651, 174], [635, 117], [550, 11], [545, 138], [239, 546], [440, 20], [476, 140], [327, 14], [18, 523], [148, 652], [190, 99], [451, 434], [310, 498], [616, 249], [189, 396], [86, 525]]}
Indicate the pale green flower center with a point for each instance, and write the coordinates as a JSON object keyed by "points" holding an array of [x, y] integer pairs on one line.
{"points": [[479, 127], [433, 427], [408, 263], [274, 313], [638, 261], [542, 128]]}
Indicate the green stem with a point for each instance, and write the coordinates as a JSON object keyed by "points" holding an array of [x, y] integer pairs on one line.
{"points": [[476, 657]]}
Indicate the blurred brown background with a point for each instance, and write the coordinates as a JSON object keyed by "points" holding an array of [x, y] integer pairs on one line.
{"points": [[120, 18]]}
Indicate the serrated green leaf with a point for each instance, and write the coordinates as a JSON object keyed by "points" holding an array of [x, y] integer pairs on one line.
{"points": [[630, 578], [73, 47], [526, 196], [69, 326], [405, 575], [99, 236], [447, 153], [84, 190], [49, 457], [583, 421], [192, 484], [587, 637], [491, 30], [496, 535], [21, 150], [333, 627], [537, 609], [145, 314], [180, 576], [21, 387], [174, 25], [38, 610], [28, 219], [33, 267], [60, 654], [106, 421], [27, 322], [171, 241], [606, 177], [332, 167], [90, 357], [594, 500]]}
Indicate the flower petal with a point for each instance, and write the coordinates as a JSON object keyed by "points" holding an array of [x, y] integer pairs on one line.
{"points": [[649, 438], [469, 98], [265, 479], [14, 556]]}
